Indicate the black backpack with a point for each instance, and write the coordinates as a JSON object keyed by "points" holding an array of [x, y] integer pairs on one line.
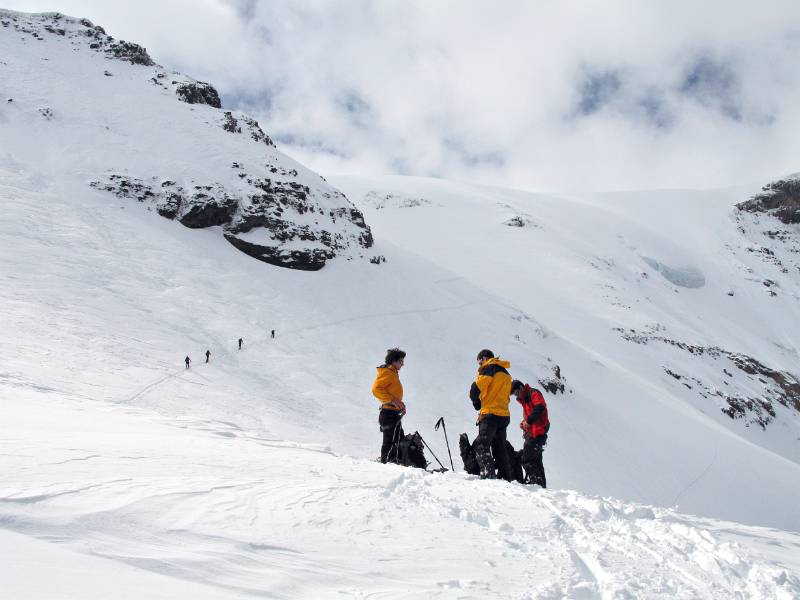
{"points": [[468, 456], [409, 451], [515, 462]]}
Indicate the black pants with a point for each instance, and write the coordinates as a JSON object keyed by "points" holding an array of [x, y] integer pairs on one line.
{"points": [[532, 460], [492, 436], [389, 421]]}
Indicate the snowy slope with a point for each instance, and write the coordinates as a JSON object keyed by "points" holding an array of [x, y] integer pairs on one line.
{"points": [[643, 267], [252, 474], [652, 364], [99, 314], [213, 512], [92, 110]]}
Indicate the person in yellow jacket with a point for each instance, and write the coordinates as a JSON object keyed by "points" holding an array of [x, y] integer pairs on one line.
{"points": [[490, 396], [389, 392]]}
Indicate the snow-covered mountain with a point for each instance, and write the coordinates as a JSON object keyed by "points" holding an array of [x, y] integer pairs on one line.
{"points": [[662, 325], [92, 110]]}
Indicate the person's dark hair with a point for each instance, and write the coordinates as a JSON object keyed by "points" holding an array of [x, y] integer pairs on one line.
{"points": [[393, 355], [485, 354], [516, 385]]}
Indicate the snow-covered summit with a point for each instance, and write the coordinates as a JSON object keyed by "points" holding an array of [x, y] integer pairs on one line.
{"points": [[110, 117]]}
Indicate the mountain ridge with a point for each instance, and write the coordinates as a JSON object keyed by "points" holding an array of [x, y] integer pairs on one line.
{"points": [[268, 206]]}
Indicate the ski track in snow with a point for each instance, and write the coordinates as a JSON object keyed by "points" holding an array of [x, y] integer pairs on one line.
{"points": [[698, 478], [179, 372]]}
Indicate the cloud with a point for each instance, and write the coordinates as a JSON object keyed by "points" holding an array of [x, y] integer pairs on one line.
{"points": [[597, 90], [539, 95], [713, 83]]}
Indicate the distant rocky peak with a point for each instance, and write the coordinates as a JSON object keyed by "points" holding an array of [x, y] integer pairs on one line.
{"points": [[780, 198], [84, 33], [38, 25]]}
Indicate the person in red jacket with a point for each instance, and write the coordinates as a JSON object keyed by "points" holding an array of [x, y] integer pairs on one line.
{"points": [[535, 425]]}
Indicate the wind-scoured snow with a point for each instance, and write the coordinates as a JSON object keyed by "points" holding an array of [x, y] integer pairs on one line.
{"points": [[254, 475]]}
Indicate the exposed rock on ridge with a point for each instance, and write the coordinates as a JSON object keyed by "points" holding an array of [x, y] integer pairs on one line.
{"points": [[780, 198], [209, 205], [198, 92], [775, 386]]}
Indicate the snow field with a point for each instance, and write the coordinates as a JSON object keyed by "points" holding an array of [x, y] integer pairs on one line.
{"points": [[239, 485], [252, 475], [244, 516]]}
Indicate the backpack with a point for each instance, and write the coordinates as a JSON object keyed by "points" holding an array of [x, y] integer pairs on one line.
{"points": [[515, 462], [409, 451], [468, 456]]}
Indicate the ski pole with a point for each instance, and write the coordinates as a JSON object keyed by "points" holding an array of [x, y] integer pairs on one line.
{"points": [[396, 439], [431, 451], [446, 441]]}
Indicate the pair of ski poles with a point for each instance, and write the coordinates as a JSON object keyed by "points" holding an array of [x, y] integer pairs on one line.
{"points": [[446, 441]]}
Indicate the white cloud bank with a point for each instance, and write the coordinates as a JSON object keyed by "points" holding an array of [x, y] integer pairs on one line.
{"points": [[539, 95]]}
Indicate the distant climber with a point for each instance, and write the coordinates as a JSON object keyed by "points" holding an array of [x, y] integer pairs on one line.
{"points": [[240, 343], [187, 360], [389, 392], [272, 335], [490, 396], [535, 425], [208, 355]]}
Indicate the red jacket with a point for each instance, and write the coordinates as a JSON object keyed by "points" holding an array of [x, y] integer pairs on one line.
{"points": [[534, 411]]}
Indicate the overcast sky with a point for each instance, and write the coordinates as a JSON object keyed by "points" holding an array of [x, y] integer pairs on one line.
{"points": [[541, 95]]}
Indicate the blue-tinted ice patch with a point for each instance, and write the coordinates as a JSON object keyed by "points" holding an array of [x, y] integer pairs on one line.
{"points": [[687, 277]]}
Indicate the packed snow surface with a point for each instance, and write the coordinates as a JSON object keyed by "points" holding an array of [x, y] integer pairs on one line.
{"points": [[665, 324]]}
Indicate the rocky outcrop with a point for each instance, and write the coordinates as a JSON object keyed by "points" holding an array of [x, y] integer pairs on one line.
{"points": [[132, 53], [553, 384], [265, 212], [231, 124], [63, 26], [208, 206], [256, 133], [775, 386], [780, 198], [198, 92], [116, 49], [303, 260], [517, 221]]}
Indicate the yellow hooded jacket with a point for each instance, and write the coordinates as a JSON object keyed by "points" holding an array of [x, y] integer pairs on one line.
{"points": [[492, 387], [387, 387]]}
